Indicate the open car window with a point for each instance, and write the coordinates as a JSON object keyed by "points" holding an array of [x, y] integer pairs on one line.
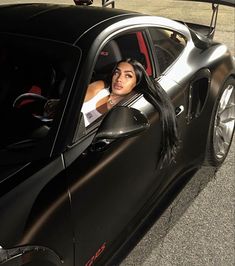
{"points": [[31, 72], [128, 45]]}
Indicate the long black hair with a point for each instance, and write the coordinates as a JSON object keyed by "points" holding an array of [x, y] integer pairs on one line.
{"points": [[157, 96]]}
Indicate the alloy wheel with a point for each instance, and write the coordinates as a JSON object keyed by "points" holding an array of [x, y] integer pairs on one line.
{"points": [[224, 122]]}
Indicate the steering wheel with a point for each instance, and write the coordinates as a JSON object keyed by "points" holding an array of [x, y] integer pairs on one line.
{"points": [[35, 98], [28, 96]]}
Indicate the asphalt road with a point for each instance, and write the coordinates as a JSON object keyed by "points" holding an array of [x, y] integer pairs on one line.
{"points": [[199, 226]]}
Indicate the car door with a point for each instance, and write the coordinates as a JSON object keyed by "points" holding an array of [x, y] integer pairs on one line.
{"points": [[110, 182], [109, 186]]}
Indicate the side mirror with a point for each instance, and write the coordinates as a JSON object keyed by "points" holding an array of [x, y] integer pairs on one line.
{"points": [[120, 122]]}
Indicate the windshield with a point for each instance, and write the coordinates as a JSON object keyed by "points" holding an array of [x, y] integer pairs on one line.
{"points": [[31, 73]]}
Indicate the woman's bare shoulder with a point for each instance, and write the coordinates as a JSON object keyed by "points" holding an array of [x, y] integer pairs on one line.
{"points": [[97, 85], [94, 88]]}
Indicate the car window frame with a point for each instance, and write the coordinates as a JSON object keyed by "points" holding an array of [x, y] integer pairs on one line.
{"points": [[91, 128]]}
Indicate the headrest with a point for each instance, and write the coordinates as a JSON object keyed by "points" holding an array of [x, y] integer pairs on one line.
{"points": [[108, 57]]}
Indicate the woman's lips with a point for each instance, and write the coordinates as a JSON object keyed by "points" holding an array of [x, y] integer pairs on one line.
{"points": [[117, 86]]}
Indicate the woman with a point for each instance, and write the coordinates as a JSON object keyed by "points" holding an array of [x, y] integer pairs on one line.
{"points": [[101, 97]]}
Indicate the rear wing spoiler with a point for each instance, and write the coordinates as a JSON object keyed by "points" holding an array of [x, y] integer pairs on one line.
{"points": [[218, 2], [215, 7], [104, 3]]}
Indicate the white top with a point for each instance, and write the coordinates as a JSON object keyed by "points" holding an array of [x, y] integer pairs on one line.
{"points": [[89, 107]]}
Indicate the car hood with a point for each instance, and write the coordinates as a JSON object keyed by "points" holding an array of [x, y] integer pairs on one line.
{"points": [[220, 2]]}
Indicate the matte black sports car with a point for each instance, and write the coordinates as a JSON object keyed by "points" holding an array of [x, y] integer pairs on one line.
{"points": [[76, 195]]}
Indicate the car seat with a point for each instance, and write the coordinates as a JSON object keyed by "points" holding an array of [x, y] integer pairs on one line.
{"points": [[108, 58]]}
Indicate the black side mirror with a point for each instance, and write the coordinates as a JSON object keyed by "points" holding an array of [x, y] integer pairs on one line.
{"points": [[120, 122]]}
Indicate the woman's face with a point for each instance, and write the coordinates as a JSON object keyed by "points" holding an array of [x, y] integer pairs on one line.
{"points": [[124, 79]]}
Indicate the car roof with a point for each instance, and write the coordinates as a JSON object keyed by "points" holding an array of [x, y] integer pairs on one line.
{"points": [[57, 22]]}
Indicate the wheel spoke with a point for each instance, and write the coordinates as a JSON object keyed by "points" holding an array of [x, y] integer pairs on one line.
{"points": [[220, 149], [226, 96], [229, 108], [219, 134], [225, 130], [221, 145], [227, 120]]}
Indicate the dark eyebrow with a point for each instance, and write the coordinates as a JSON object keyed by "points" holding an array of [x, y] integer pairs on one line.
{"points": [[125, 71]]}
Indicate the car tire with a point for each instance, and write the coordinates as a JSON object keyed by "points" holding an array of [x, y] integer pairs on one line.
{"points": [[222, 126]]}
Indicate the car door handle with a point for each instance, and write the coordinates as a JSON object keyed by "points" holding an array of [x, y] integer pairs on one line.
{"points": [[179, 110], [100, 144]]}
